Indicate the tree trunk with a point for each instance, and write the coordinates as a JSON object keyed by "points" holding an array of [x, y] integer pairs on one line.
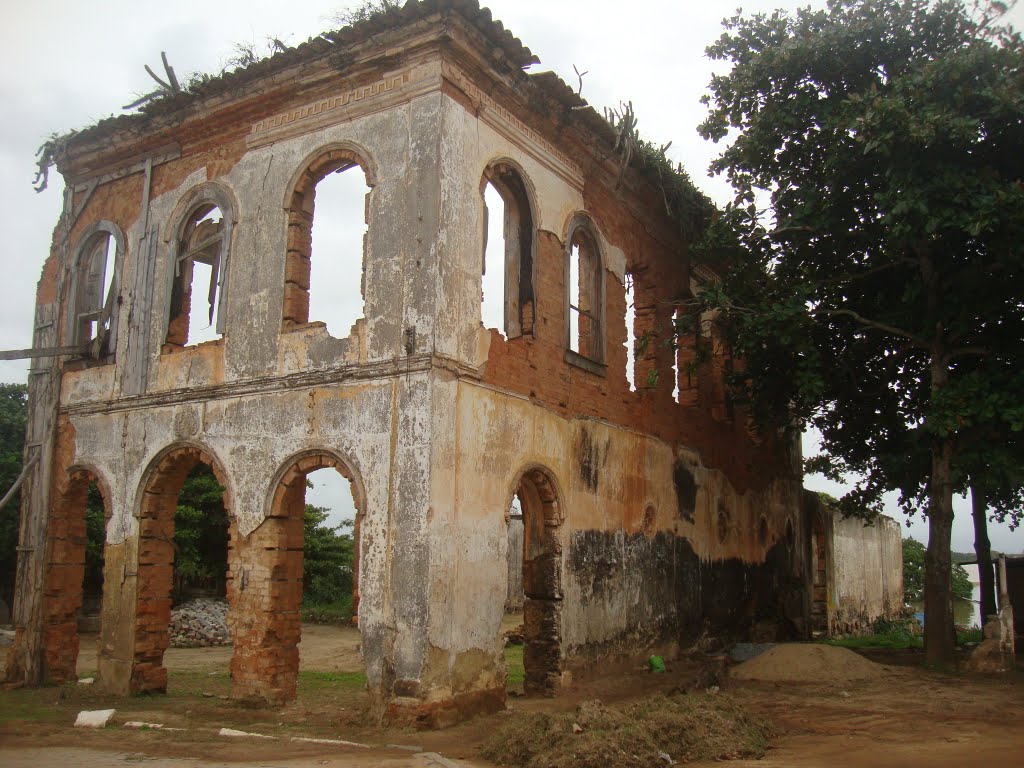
{"points": [[983, 550], [939, 636]]}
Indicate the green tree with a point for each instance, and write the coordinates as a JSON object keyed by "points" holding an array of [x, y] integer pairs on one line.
{"points": [[200, 534], [877, 297], [914, 574], [13, 410], [95, 538], [327, 561]]}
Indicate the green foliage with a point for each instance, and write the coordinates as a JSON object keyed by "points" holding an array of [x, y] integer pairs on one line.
{"points": [[201, 542], [13, 410], [895, 635], [691, 209], [364, 11], [95, 537], [338, 613], [962, 587], [913, 574], [327, 567], [828, 499], [200, 534]]}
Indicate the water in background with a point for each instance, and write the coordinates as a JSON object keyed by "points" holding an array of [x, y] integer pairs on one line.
{"points": [[966, 613]]}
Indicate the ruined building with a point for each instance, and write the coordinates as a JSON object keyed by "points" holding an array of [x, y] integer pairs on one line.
{"points": [[652, 511]]}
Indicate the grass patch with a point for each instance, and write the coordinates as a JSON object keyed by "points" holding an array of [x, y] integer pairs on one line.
{"points": [[898, 635], [33, 705], [515, 672], [686, 728], [894, 640], [966, 635], [895, 634], [312, 681], [338, 613]]}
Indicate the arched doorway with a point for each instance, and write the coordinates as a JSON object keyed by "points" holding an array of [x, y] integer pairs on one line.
{"points": [[156, 567], [542, 581], [266, 659]]}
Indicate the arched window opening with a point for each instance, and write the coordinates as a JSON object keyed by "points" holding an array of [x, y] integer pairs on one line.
{"points": [[492, 300], [584, 295], [336, 250], [330, 286], [198, 278], [507, 302], [630, 333], [93, 314]]}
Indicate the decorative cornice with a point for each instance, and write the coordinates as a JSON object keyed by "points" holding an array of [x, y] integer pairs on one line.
{"points": [[506, 123], [357, 101]]}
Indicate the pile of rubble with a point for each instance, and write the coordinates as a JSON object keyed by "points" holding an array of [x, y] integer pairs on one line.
{"points": [[200, 623]]}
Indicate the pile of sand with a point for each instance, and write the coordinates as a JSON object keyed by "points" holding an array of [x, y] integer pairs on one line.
{"points": [[807, 663]]}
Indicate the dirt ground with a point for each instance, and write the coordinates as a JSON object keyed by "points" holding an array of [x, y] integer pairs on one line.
{"points": [[905, 716]]}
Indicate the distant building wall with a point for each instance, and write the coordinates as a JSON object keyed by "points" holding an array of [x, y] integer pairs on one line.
{"points": [[857, 569], [867, 573], [514, 599]]}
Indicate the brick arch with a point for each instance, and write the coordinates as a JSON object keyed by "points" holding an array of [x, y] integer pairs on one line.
{"points": [[299, 205], [542, 579], [293, 471], [65, 571], [288, 493], [157, 504]]}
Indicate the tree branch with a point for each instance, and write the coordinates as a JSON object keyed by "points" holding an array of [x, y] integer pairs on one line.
{"points": [[874, 324], [969, 351]]}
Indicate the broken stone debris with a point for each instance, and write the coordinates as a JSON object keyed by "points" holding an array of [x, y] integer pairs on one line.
{"points": [[94, 718], [239, 734], [740, 652], [200, 623]]}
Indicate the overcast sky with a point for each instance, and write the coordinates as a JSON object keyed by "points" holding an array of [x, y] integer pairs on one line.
{"points": [[66, 64]]}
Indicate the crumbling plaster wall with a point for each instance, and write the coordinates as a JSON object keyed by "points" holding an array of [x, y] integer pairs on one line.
{"points": [[226, 395], [620, 583]]}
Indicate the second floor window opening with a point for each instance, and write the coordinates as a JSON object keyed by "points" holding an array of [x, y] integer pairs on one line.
{"points": [[94, 293], [493, 298], [198, 280], [507, 301], [337, 245], [584, 283]]}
